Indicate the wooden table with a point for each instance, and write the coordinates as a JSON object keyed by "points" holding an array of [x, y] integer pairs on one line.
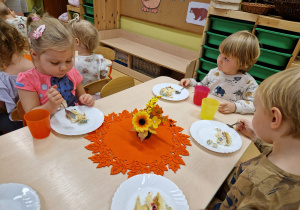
{"points": [[58, 167]]}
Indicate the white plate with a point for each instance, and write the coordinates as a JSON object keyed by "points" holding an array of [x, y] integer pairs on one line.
{"points": [[15, 196], [63, 125], [139, 185], [203, 130], [176, 97]]}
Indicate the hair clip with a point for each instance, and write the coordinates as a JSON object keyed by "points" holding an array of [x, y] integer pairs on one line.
{"points": [[35, 18], [38, 32]]}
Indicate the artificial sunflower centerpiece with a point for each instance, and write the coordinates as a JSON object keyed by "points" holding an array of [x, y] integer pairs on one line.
{"points": [[147, 120]]}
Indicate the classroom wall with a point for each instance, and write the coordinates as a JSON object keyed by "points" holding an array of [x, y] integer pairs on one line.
{"points": [[176, 37]]}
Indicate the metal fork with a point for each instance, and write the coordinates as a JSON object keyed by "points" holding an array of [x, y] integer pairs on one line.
{"points": [[179, 91], [69, 113], [231, 126]]}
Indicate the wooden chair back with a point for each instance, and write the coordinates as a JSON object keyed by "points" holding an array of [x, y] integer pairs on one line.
{"points": [[18, 113], [96, 87], [108, 54], [116, 85]]}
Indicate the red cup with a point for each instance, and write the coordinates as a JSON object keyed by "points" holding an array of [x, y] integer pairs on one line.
{"points": [[200, 93], [38, 122]]}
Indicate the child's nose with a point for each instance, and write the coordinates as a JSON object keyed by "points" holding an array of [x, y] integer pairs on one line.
{"points": [[63, 67]]}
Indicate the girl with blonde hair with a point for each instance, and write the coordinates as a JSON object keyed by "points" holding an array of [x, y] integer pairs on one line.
{"points": [[53, 80], [91, 66]]}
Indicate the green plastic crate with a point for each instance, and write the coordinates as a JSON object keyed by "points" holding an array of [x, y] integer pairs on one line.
{"points": [[89, 18], [230, 25], [210, 52], [276, 39], [89, 1], [274, 58], [215, 39], [207, 65], [261, 72], [200, 75], [89, 10]]}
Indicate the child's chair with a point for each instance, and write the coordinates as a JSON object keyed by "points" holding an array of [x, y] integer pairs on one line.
{"points": [[96, 87], [108, 54], [116, 85], [18, 113]]}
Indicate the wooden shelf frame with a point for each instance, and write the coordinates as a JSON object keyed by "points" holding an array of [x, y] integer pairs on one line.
{"points": [[268, 21], [179, 60]]}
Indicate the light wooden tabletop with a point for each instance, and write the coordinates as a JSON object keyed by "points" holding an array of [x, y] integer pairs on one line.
{"points": [[59, 170]]}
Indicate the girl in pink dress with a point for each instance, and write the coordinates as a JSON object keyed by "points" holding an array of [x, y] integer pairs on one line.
{"points": [[53, 80]]}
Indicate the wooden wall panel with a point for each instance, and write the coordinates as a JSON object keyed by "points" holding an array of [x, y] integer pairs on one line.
{"points": [[106, 14], [171, 13]]}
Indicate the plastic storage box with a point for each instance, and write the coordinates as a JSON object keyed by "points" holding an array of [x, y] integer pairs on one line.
{"points": [[214, 38], [207, 65], [210, 52], [261, 72], [89, 18], [274, 58], [89, 2], [201, 74], [89, 9], [229, 25], [277, 39]]}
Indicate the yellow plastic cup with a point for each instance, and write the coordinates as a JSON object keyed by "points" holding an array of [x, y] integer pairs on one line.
{"points": [[209, 108], [38, 122]]}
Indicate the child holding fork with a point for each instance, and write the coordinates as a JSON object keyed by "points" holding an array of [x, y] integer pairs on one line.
{"points": [[272, 179], [53, 80]]}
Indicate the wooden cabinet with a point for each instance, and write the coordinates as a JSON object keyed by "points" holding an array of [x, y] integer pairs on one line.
{"points": [[145, 58], [277, 53], [55, 7]]}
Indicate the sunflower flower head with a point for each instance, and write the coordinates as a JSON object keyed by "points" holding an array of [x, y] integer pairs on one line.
{"points": [[141, 121]]}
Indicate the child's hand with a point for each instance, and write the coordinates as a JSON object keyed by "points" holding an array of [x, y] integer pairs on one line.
{"points": [[87, 100], [227, 107], [245, 127], [185, 82], [54, 97]]}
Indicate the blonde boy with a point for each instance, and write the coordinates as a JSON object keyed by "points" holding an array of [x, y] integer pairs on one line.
{"points": [[230, 79], [271, 180]]}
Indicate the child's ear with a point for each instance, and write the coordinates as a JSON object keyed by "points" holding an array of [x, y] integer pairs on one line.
{"points": [[33, 54], [276, 118], [77, 42]]}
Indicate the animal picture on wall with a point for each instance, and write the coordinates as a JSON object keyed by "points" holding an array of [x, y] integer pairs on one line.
{"points": [[150, 5], [197, 13]]}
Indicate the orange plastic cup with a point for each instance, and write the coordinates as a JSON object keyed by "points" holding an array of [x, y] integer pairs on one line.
{"points": [[209, 108], [38, 122]]}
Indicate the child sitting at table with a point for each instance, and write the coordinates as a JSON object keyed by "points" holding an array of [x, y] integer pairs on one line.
{"points": [[271, 180], [12, 62], [53, 79], [91, 66], [230, 79], [19, 22]]}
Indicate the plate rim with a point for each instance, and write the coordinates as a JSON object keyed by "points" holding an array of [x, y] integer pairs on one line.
{"points": [[155, 177], [79, 133], [210, 148], [36, 196], [170, 99]]}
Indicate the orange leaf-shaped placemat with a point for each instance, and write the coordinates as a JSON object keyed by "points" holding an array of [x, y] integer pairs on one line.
{"points": [[114, 143]]}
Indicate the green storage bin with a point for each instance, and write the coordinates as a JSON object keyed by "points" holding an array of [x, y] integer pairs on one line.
{"points": [[207, 65], [89, 10], [261, 72], [200, 75], [276, 39], [215, 39], [210, 52], [89, 18], [274, 58], [89, 2], [229, 25]]}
